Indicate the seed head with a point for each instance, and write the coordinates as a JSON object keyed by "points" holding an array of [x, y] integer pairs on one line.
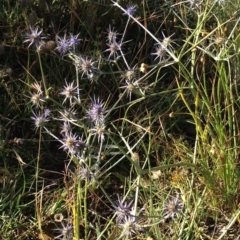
{"points": [[58, 217]]}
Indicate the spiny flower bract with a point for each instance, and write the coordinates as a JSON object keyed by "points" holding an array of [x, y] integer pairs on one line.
{"points": [[85, 174], [66, 231], [87, 66], [129, 227], [63, 45], [130, 10], [111, 35], [66, 128], [172, 208], [41, 118], [99, 130], [122, 209], [74, 40], [37, 99], [72, 143], [70, 92], [33, 37], [96, 112], [114, 47], [160, 52]]}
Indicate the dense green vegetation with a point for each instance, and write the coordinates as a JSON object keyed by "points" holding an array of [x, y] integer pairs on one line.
{"points": [[119, 119]]}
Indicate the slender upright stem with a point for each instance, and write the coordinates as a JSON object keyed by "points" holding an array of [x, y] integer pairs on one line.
{"points": [[43, 76]]}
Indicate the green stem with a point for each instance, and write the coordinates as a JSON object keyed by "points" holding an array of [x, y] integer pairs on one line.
{"points": [[43, 76]]}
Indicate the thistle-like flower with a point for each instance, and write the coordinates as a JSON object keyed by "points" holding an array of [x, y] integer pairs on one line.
{"points": [[131, 87], [99, 130], [41, 118], [129, 227], [130, 10], [37, 99], [34, 37], [129, 74], [160, 52], [66, 232], [85, 174], [70, 92], [74, 41], [63, 45], [66, 128], [96, 112], [111, 35], [167, 41], [114, 48], [72, 143], [86, 66], [121, 209], [172, 208]]}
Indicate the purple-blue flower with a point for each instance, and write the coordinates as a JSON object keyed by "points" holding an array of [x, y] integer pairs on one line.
{"points": [[74, 40], [130, 10], [96, 112], [63, 45]]}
